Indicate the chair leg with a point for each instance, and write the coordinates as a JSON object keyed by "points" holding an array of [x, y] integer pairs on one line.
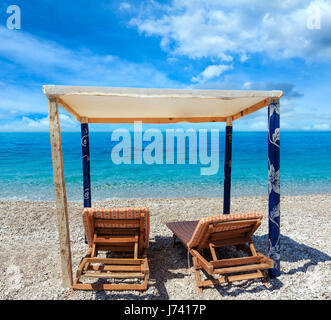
{"points": [[145, 270], [261, 272], [197, 274], [135, 254], [78, 273], [252, 248]]}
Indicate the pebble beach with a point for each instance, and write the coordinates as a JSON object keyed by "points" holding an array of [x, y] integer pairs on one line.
{"points": [[30, 260]]}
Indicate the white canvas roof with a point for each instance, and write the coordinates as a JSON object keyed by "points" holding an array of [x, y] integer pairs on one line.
{"points": [[124, 105]]}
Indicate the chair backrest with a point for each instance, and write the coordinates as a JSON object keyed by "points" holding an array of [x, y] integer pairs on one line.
{"points": [[215, 225], [114, 220]]}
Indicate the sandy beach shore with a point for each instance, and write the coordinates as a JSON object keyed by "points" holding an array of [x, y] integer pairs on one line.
{"points": [[30, 261]]}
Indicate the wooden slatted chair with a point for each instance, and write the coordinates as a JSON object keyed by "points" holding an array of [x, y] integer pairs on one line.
{"points": [[222, 231], [124, 232]]}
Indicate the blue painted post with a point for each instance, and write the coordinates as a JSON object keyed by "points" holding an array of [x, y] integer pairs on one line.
{"points": [[274, 185], [227, 166], [86, 165]]}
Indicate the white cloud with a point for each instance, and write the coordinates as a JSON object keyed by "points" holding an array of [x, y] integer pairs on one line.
{"points": [[43, 59], [227, 29], [50, 60], [243, 57], [318, 127], [15, 100], [259, 126], [287, 88], [124, 6], [32, 124], [211, 72], [322, 126]]}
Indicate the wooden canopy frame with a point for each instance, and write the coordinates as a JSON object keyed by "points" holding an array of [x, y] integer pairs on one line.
{"points": [[127, 105]]}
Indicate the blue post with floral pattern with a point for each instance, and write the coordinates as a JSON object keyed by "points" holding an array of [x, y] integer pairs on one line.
{"points": [[227, 167], [86, 165], [274, 185]]}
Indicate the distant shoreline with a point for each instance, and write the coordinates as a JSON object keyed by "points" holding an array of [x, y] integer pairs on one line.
{"points": [[167, 198]]}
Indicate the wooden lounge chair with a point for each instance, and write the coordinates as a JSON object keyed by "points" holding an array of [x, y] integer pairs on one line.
{"points": [[123, 233], [222, 231]]}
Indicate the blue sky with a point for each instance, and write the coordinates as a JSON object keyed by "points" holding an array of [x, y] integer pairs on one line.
{"points": [[210, 44]]}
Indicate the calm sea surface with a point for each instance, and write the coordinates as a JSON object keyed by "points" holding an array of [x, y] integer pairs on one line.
{"points": [[26, 168]]}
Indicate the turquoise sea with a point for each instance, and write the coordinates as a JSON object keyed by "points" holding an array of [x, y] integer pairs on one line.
{"points": [[26, 168]]}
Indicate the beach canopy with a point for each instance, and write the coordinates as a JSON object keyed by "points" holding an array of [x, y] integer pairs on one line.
{"points": [[125, 105]]}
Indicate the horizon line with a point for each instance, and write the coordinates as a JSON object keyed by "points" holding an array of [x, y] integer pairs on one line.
{"points": [[105, 131]]}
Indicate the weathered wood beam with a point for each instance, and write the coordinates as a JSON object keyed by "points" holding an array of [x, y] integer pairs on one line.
{"points": [[60, 193], [157, 120], [251, 109], [67, 108]]}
